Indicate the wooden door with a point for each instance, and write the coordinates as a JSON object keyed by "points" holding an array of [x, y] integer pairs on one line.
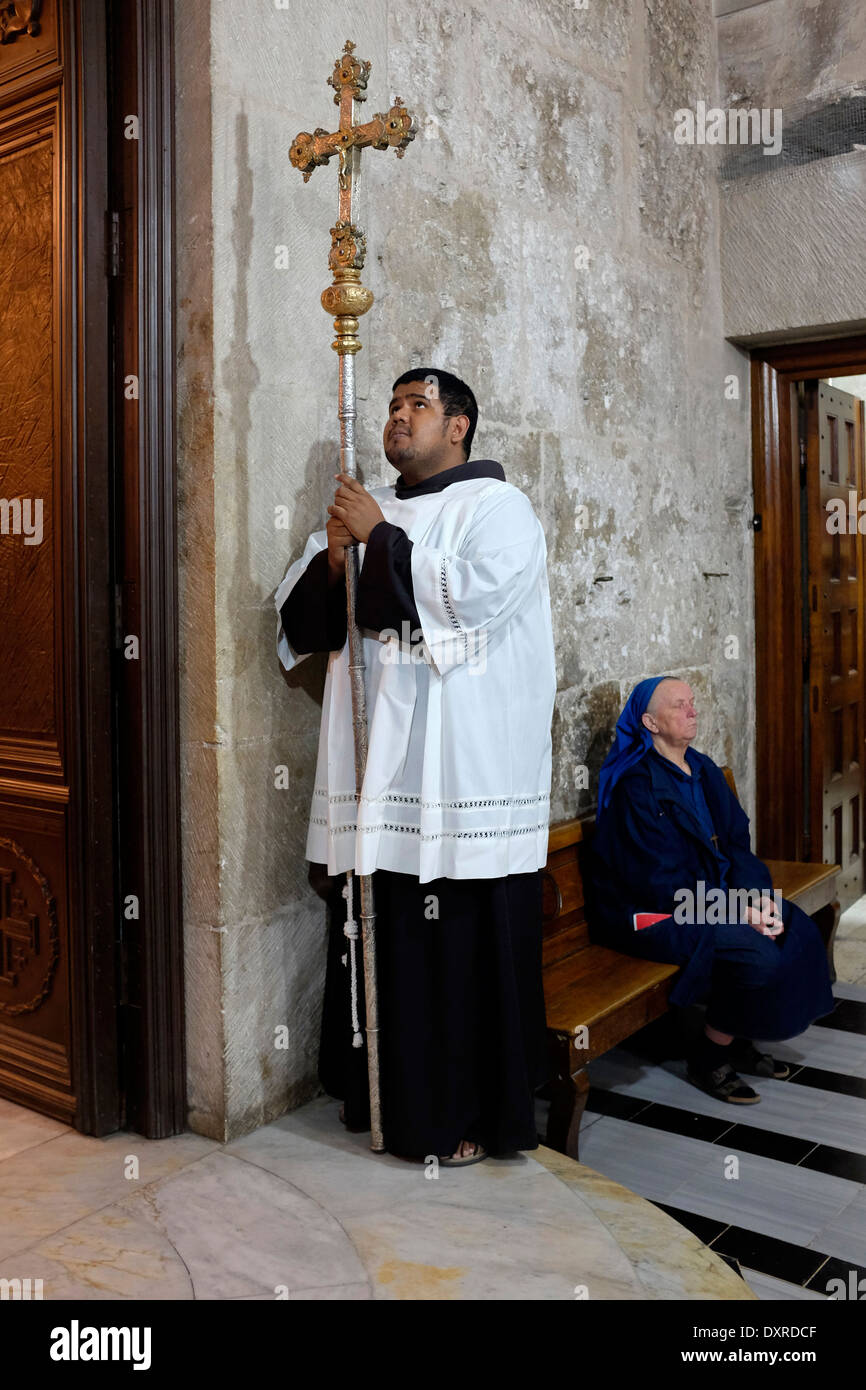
{"points": [[58, 1044], [91, 999], [835, 484]]}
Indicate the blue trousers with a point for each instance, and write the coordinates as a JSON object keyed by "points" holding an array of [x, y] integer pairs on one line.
{"points": [[754, 986]]}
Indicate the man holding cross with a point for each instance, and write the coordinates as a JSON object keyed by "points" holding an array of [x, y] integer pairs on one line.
{"points": [[452, 819]]}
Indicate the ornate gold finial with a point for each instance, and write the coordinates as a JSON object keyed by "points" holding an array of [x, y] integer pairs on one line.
{"points": [[350, 74], [347, 299], [348, 247]]}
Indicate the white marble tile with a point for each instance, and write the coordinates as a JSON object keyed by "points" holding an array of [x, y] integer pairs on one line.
{"points": [[304, 1206], [779, 1290], [112, 1254], [647, 1161], [24, 1129], [849, 956], [447, 1253], [846, 990], [314, 1130], [773, 1198], [589, 1117], [337, 1293], [505, 1228], [76, 1174], [340, 1167], [669, 1261], [240, 1230], [358, 1182], [830, 1049], [341, 1171], [844, 1234], [852, 920], [825, 1117]]}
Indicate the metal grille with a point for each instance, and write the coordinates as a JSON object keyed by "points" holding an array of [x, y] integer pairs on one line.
{"points": [[834, 125]]}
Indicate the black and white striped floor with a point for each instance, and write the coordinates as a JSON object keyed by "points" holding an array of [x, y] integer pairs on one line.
{"points": [[779, 1188]]}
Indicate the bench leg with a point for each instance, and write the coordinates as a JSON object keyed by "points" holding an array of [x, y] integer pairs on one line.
{"points": [[827, 920], [568, 1102]]}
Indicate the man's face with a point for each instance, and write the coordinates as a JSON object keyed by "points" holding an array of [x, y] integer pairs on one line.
{"points": [[418, 430], [673, 712]]}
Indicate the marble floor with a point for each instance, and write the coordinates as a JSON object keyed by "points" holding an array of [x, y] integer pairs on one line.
{"points": [[301, 1209], [777, 1189], [850, 951]]}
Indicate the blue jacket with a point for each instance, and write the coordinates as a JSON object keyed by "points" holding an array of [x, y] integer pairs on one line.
{"points": [[649, 844]]}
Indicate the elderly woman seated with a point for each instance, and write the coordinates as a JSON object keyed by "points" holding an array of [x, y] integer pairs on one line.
{"points": [[670, 876]]}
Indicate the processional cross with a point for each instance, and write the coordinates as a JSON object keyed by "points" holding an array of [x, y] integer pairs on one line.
{"points": [[347, 299]]}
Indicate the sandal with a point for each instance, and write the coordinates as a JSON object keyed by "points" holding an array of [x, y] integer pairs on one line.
{"points": [[755, 1063], [480, 1152], [724, 1084]]}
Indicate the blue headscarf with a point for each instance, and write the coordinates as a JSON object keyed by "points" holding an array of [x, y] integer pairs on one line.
{"points": [[632, 742]]}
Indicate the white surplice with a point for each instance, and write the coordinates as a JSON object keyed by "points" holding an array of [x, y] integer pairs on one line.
{"points": [[457, 783]]}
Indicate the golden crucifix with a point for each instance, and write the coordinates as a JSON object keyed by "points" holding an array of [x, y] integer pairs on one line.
{"points": [[347, 299]]}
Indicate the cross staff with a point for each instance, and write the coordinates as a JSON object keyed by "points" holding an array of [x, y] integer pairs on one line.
{"points": [[347, 299]]}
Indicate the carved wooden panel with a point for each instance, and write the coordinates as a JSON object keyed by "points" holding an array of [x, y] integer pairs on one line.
{"points": [[28, 41], [27, 443], [34, 958], [29, 938], [35, 514]]}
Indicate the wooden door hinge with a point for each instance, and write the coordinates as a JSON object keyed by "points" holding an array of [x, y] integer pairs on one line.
{"points": [[112, 244]]}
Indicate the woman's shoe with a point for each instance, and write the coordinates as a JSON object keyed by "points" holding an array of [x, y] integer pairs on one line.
{"points": [[754, 1063], [723, 1083]]}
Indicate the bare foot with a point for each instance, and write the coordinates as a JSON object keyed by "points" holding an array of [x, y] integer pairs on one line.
{"points": [[465, 1149]]}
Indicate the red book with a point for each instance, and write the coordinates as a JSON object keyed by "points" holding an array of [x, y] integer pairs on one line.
{"points": [[646, 919]]}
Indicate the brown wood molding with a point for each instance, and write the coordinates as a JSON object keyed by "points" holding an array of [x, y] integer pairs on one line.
{"points": [[778, 635], [96, 1054], [37, 758], [158, 1107], [823, 357], [779, 647]]}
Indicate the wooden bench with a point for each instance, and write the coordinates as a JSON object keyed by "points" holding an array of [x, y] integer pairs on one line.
{"points": [[811, 886], [596, 997]]}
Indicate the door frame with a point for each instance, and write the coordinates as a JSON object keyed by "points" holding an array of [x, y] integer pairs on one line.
{"points": [[779, 645], [108, 1053]]}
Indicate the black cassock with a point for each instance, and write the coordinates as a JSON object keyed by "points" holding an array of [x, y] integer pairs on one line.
{"points": [[463, 1041]]}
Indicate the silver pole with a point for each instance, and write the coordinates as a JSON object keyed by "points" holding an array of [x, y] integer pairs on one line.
{"points": [[348, 413]]}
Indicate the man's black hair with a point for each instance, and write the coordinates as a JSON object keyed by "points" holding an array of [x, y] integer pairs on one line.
{"points": [[455, 395]]}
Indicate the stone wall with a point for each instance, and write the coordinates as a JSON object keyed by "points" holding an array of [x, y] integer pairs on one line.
{"points": [[546, 239], [793, 252]]}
